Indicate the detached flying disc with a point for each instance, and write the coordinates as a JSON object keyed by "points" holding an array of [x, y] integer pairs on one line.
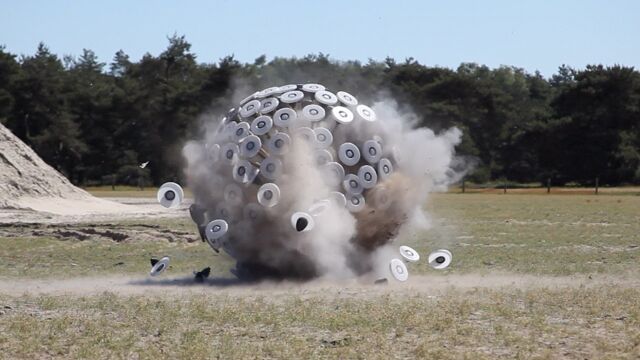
{"points": [[398, 270], [440, 259], [170, 195], [160, 266], [409, 254]]}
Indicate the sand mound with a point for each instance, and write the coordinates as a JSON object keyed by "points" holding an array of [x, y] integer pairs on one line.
{"points": [[27, 182]]}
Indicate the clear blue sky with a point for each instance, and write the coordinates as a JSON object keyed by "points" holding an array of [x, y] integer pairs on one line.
{"points": [[531, 34]]}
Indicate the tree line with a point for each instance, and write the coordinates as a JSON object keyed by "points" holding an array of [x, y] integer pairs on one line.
{"points": [[96, 122]]}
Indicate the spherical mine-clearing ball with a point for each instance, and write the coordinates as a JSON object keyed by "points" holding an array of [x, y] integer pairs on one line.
{"points": [[311, 160]]}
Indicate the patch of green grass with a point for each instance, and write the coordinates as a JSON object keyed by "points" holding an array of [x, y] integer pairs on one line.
{"points": [[569, 323]]}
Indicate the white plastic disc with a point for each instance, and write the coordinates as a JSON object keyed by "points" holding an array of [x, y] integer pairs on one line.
{"points": [[170, 195], [229, 131], [251, 108], [346, 98], [322, 156], [409, 254], [368, 177], [261, 125], [269, 91], [302, 221], [233, 194], [214, 231], [306, 134], [319, 207], [279, 144], [268, 105], [268, 195], [355, 202], [241, 131], [385, 169], [286, 88], [338, 198], [366, 113], [213, 151], [352, 184], [291, 97], [253, 212], [271, 168], [349, 154], [398, 270], [160, 266], [248, 98], [312, 88], [342, 115], [229, 152], [372, 151], [440, 259], [326, 97], [284, 117], [324, 138], [244, 172], [250, 146], [333, 173], [313, 112]]}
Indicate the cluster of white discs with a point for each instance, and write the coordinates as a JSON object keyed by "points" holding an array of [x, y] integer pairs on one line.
{"points": [[249, 155]]}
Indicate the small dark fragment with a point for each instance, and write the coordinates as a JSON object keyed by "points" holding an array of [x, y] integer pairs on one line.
{"points": [[154, 261], [202, 274], [381, 281], [301, 224]]}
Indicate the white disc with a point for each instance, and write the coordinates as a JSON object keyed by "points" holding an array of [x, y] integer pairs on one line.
{"points": [[229, 153], [355, 202], [291, 97], [319, 207], [279, 144], [268, 195], [372, 151], [398, 270], [324, 138], [306, 134], [440, 259], [289, 87], [241, 131], [170, 195], [338, 198], [284, 117], [326, 97], [269, 91], [365, 113], [333, 173], [352, 184], [160, 266], [322, 156], [248, 98], [409, 254], [244, 172], [313, 112], [250, 146], [312, 87], [342, 115], [251, 108], [268, 105], [302, 221], [261, 125], [253, 212], [214, 231], [349, 154], [347, 99], [233, 194], [229, 130], [385, 169], [271, 168], [368, 177]]}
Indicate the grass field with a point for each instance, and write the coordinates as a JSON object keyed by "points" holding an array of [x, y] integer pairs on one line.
{"points": [[583, 251]]}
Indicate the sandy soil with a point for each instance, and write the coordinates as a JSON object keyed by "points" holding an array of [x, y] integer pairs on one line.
{"points": [[177, 286]]}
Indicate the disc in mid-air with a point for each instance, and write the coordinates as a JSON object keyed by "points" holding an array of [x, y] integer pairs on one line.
{"points": [[313, 112], [269, 195], [250, 146], [326, 97], [440, 259], [342, 115], [291, 97], [349, 154], [409, 254], [365, 113], [302, 221], [214, 231], [244, 172], [372, 151], [333, 173], [312, 88], [352, 184], [398, 270], [160, 266], [347, 99], [385, 168], [338, 198], [170, 195], [229, 152], [319, 208], [250, 108], [322, 156], [355, 202], [271, 168], [324, 138], [233, 194], [368, 177], [279, 144], [261, 125], [284, 117], [268, 105]]}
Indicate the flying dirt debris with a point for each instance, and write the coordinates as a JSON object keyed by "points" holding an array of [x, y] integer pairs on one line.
{"points": [[300, 182]]}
